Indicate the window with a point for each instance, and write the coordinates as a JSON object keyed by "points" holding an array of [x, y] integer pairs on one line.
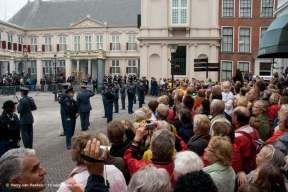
{"points": [[33, 67], [48, 46], [99, 42], [228, 8], [61, 65], [115, 66], [227, 39], [33, 44], [76, 43], [245, 8], [244, 37], [262, 31], [9, 41], [267, 8], [243, 66], [88, 42], [265, 69], [131, 66], [48, 67], [226, 70], [179, 12], [20, 40], [115, 42], [62, 43], [132, 45]]}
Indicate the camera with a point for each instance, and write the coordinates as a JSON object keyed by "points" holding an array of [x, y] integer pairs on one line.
{"points": [[149, 125]]}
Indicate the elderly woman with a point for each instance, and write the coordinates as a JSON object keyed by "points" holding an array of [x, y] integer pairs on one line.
{"points": [[282, 141], [260, 110], [9, 127], [273, 109], [201, 129], [78, 178], [267, 154], [139, 116], [186, 130], [219, 154], [186, 162]]}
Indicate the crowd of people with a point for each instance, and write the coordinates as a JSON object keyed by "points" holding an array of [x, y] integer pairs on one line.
{"points": [[201, 136]]}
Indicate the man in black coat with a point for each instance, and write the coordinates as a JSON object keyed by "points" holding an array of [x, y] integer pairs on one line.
{"points": [[95, 84]]}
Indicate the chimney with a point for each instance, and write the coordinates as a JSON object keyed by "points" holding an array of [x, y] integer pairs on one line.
{"points": [[37, 2]]}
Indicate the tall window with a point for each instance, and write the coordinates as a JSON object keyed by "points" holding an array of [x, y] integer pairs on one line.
{"points": [[132, 45], [228, 8], [115, 42], [20, 40], [76, 43], [115, 66], [99, 42], [33, 67], [244, 40], [265, 69], [243, 66], [48, 67], [245, 8], [61, 65], [33, 44], [62, 43], [226, 70], [48, 46], [227, 39], [131, 66], [88, 42], [262, 31], [179, 12], [267, 8], [10, 41]]}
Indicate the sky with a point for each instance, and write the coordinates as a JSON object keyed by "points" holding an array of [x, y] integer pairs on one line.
{"points": [[12, 7]]}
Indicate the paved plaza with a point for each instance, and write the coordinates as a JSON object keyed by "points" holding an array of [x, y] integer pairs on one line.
{"points": [[50, 147]]}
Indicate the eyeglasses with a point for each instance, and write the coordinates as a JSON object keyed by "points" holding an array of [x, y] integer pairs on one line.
{"points": [[208, 149]]}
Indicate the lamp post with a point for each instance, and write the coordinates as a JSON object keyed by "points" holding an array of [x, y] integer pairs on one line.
{"points": [[173, 47], [55, 61]]}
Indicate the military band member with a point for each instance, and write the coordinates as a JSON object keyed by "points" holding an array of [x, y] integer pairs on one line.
{"points": [[142, 91], [110, 98], [116, 97], [123, 88], [104, 98], [61, 98], [131, 95]]}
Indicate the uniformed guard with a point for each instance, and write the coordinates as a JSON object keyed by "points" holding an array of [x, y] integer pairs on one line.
{"points": [[141, 94], [71, 114], [116, 97], [104, 98], [84, 106], [131, 95], [84, 82], [123, 88], [135, 87], [61, 98], [110, 98]]}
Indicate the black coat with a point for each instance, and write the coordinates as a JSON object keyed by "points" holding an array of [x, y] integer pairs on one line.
{"points": [[10, 130], [186, 131], [198, 143]]}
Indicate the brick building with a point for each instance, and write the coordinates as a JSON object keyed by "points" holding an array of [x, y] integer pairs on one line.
{"points": [[242, 24]]}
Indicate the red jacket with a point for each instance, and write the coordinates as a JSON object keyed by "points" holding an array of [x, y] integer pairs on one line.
{"points": [[134, 164], [277, 134], [272, 114]]}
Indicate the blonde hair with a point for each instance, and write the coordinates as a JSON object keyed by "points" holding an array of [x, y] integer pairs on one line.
{"points": [[223, 149], [147, 111], [139, 115], [241, 101], [201, 124], [274, 98], [263, 106], [129, 124], [268, 152], [162, 99]]}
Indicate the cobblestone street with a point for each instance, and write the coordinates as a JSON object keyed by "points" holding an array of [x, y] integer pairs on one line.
{"points": [[50, 147]]}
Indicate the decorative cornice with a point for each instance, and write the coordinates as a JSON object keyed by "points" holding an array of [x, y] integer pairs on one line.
{"points": [[88, 22], [76, 33], [132, 32], [88, 33], [10, 32], [62, 34], [47, 35], [99, 32], [116, 32]]}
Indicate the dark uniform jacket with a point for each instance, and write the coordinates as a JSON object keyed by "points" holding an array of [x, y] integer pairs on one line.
{"points": [[130, 92], [142, 89], [83, 101], [10, 129], [123, 90], [94, 83], [70, 107], [116, 91], [24, 108], [110, 95], [61, 99]]}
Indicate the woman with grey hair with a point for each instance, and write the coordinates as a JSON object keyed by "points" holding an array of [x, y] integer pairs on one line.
{"points": [[150, 179], [139, 116]]}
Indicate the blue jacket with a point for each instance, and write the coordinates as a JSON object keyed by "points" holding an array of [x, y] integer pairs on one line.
{"points": [[83, 101], [61, 99], [24, 108], [116, 91], [123, 90], [186, 131]]}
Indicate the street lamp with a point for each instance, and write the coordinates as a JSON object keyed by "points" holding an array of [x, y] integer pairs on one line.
{"points": [[55, 61], [173, 47]]}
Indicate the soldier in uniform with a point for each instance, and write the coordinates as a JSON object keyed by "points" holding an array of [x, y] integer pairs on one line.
{"points": [[142, 91], [146, 85], [131, 95], [94, 82], [61, 98], [136, 90], [104, 98], [71, 114], [110, 98], [26, 117], [84, 82], [116, 97], [123, 88], [84, 106]]}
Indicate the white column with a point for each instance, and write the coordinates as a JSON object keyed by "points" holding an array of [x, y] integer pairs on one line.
{"points": [[11, 65], [144, 61], [78, 65], [213, 59], [164, 72], [89, 66], [39, 70], [68, 67], [192, 55]]}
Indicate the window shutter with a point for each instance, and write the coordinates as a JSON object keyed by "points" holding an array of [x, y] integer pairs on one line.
{"points": [[43, 48], [24, 47], [29, 70], [19, 47], [126, 70], [110, 70], [14, 46], [58, 47], [3, 44], [29, 48], [110, 46], [127, 46]]}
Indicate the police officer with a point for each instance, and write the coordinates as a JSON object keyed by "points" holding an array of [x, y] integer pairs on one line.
{"points": [[141, 95], [136, 90], [104, 98], [123, 88], [61, 98], [84, 106], [84, 82], [71, 114], [110, 98], [116, 97], [131, 95], [94, 82], [26, 118]]}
